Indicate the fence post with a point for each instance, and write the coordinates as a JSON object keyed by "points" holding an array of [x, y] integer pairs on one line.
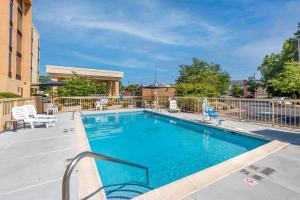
{"points": [[1, 116], [273, 113], [240, 110], [80, 104]]}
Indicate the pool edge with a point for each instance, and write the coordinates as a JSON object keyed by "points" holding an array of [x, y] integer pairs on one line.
{"points": [[89, 178], [190, 184]]}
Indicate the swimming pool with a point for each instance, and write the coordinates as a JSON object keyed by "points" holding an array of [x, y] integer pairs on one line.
{"points": [[171, 148]]}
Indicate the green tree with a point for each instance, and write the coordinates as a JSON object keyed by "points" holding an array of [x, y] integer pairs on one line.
{"points": [[236, 90], [253, 85], [122, 87], [273, 64], [202, 79], [78, 85], [43, 79], [288, 81], [132, 88]]}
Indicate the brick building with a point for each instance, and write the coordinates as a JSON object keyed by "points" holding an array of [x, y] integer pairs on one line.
{"points": [[159, 90], [260, 92]]}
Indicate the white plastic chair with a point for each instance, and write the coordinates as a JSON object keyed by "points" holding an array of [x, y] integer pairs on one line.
{"points": [[98, 105], [51, 108], [103, 103], [19, 113], [173, 106], [31, 111]]}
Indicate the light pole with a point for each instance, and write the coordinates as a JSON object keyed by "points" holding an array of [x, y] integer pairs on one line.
{"points": [[297, 35]]}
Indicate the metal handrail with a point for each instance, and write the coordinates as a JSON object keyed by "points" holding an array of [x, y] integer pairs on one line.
{"points": [[78, 110], [73, 163]]}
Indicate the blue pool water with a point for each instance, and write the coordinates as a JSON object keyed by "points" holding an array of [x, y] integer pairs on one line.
{"points": [[169, 147]]}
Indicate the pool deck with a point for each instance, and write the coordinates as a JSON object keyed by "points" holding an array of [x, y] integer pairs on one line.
{"points": [[32, 163]]}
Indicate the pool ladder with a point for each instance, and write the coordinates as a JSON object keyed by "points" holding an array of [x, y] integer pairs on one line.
{"points": [[76, 159]]}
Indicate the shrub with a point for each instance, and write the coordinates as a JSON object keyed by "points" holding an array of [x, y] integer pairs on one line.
{"points": [[125, 104], [8, 95]]}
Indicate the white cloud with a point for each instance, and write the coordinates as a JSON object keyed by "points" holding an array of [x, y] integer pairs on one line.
{"points": [[259, 48], [125, 63], [150, 22]]}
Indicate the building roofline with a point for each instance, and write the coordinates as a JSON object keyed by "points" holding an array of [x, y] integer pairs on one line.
{"points": [[63, 71]]}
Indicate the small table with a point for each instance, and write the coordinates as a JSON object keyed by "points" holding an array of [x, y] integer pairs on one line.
{"points": [[14, 123]]}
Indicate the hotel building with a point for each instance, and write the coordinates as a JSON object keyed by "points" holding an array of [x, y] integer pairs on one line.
{"points": [[35, 60], [15, 46]]}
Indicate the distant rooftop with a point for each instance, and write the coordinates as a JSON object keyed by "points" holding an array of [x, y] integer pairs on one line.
{"points": [[157, 85]]}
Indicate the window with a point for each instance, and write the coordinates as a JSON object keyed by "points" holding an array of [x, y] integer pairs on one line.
{"points": [[10, 36], [19, 69], [9, 66], [20, 6], [19, 44], [11, 11], [19, 21]]}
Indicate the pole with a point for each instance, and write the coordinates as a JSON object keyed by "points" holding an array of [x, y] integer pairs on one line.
{"points": [[298, 49], [52, 93]]}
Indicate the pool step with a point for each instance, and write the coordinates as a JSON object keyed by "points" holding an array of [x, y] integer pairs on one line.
{"points": [[125, 191]]}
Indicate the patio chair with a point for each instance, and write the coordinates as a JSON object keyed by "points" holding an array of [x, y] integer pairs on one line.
{"points": [[51, 108], [31, 111], [104, 103], [19, 113], [147, 104], [98, 105], [212, 114], [173, 106]]}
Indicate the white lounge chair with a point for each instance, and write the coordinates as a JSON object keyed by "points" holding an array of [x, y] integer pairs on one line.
{"points": [[31, 112], [173, 106], [19, 113]]}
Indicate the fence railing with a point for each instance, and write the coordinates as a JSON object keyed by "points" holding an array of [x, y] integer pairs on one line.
{"points": [[67, 104], [7, 104], [284, 113]]}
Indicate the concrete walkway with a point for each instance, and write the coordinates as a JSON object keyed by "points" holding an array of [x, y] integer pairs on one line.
{"points": [[33, 161]]}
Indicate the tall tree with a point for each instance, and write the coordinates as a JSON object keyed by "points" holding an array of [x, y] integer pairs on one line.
{"points": [[297, 35], [288, 81], [273, 64], [202, 79]]}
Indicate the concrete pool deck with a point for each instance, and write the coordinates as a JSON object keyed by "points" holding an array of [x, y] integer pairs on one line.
{"points": [[32, 163]]}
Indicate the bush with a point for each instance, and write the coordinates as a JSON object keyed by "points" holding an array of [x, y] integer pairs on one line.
{"points": [[8, 95], [125, 104]]}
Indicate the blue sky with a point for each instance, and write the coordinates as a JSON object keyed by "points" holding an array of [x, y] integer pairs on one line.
{"points": [[140, 37]]}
